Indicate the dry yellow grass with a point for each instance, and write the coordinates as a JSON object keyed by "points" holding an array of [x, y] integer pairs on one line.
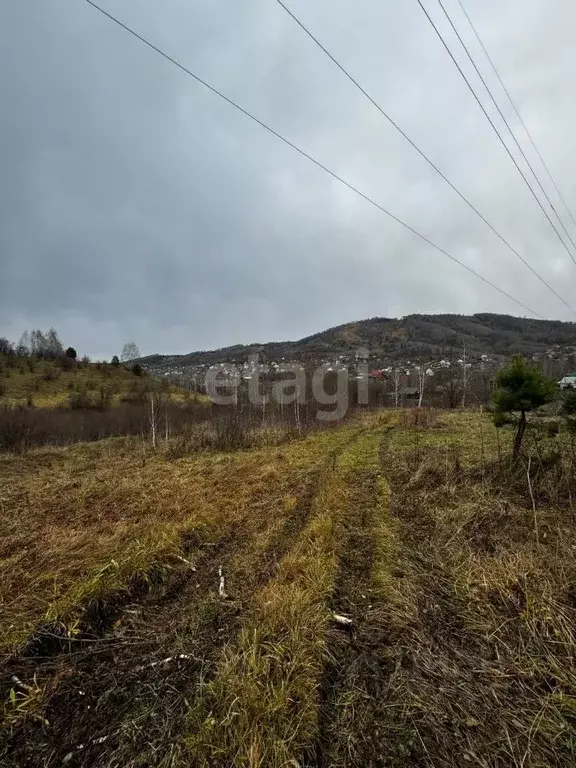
{"points": [[462, 598], [79, 521], [262, 707]]}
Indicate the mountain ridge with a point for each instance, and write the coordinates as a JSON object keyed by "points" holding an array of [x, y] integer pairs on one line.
{"points": [[412, 336]]}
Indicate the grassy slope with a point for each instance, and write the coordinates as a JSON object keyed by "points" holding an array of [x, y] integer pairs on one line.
{"points": [[462, 646], [26, 381]]}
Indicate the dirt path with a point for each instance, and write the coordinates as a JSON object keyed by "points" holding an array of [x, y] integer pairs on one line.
{"points": [[349, 670], [351, 598]]}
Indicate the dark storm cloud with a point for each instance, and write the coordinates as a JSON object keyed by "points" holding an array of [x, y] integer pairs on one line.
{"points": [[135, 204]]}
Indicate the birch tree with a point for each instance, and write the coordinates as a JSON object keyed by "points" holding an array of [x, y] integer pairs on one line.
{"points": [[421, 382], [129, 352], [396, 380]]}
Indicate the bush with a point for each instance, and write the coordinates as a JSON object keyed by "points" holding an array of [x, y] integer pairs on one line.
{"points": [[137, 369], [24, 428], [51, 375], [97, 401], [569, 403], [232, 431], [15, 429], [71, 353], [66, 363]]}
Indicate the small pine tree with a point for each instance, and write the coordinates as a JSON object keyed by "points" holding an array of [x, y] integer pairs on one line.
{"points": [[115, 361], [137, 369], [71, 353], [521, 387]]}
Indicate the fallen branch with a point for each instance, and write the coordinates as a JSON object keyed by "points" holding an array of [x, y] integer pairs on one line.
{"points": [[346, 621], [177, 657], [221, 590], [80, 747], [23, 686]]}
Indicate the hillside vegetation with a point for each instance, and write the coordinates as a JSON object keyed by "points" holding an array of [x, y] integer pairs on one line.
{"points": [[429, 336], [50, 383], [175, 612], [58, 401]]}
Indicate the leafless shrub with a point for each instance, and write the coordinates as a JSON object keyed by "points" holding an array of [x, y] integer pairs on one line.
{"points": [[51, 374], [24, 428]]}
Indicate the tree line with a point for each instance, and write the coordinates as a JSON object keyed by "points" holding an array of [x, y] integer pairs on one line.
{"points": [[47, 345]]}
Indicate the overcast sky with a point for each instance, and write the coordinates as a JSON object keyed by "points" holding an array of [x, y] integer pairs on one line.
{"points": [[134, 204]]}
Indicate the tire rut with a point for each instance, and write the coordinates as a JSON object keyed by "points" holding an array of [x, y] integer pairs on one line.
{"points": [[351, 597], [117, 690]]}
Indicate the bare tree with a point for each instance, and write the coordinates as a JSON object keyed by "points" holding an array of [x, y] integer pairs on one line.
{"points": [[6, 347], [129, 352], [421, 382], [37, 343], [53, 345], [152, 420], [396, 380], [449, 384], [465, 374]]}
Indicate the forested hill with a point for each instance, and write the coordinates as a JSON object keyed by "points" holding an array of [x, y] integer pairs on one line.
{"points": [[414, 336]]}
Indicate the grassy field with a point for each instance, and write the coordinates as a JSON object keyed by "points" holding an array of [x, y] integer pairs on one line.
{"points": [[181, 612]]}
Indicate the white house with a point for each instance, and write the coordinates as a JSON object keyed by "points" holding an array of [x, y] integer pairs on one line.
{"points": [[568, 382]]}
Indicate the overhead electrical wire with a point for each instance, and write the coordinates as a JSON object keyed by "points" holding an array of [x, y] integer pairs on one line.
{"points": [[517, 111], [498, 134], [307, 156], [422, 153], [506, 123]]}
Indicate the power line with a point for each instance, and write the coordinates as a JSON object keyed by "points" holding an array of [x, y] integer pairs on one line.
{"points": [[506, 123], [520, 171], [421, 153], [308, 157], [518, 115]]}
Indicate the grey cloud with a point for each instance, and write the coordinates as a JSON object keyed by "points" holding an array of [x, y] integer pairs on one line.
{"points": [[135, 204]]}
